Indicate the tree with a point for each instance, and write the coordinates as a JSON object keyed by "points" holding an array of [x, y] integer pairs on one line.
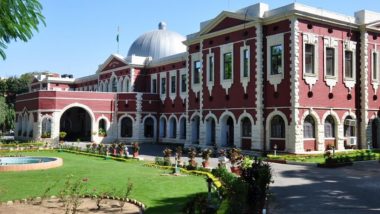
{"points": [[7, 115], [18, 20]]}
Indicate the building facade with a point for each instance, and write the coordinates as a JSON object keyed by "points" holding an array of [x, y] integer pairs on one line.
{"points": [[296, 78]]}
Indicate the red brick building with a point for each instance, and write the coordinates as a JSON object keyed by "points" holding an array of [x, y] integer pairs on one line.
{"points": [[297, 77]]}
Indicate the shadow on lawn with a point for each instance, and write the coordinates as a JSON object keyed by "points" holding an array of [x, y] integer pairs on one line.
{"points": [[170, 205], [308, 189]]}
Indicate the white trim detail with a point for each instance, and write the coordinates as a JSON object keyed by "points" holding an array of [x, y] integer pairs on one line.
{"points": [[210, 84], [245, 80], [163, 75], [196, 87], [183, 94], [173, 95], [311, 39], [329, 42], [375, 81], [348, 81], [153, 77], [273, 40], [226, 83]]}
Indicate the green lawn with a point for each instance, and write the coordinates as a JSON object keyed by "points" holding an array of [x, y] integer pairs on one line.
{"points": [[162, 194]]}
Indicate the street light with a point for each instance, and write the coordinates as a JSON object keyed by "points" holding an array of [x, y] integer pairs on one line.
{"points": [[209, 185]]}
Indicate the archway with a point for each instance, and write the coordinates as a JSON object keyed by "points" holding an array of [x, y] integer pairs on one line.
{"points": [[172, 128], [126, 127], [76, 122], [149, 127], [195, 123], [182, 128], [210, 131], [227, 131], [246, 133], [375, 133], [162, 127]]}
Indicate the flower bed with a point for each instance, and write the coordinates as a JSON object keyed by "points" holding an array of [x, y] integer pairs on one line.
{"points": [[215, 180], [99, 155]]}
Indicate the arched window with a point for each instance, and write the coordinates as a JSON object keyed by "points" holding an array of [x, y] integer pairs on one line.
{"points": [[349, 127], [102, 130], [114, 85], [172, 128], [126, 127], [126, 84], [309, 127], [277, 127], [46, 127], [246, 127], [149, 127], [182, 128], [329, 127], [162, 127]]}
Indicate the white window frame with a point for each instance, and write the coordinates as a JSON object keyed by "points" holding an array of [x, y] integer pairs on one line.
{"points": [[245, 80], [375, 82], [274, 40], [210, 84], [373, 66], [163, 95], [195, 87], [329, 42], [173, 94], [349, 81], [310, 39], [226, 83], [183, 94], [153, 77]]}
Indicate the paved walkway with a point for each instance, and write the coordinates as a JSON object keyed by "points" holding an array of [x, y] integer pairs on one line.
{"points": [[309, 189]]}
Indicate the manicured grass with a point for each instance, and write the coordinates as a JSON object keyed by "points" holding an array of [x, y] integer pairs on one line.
{"points": [[319, 158], [162, 194]]}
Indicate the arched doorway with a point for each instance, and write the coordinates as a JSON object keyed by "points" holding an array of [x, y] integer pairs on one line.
{"points": [[227, 131], [195, 123], [375, 133], [172, 128], [126, 127], [182, 128], [246, 133], [163, 127], [76, 122], [149, 127], [210, 131]]}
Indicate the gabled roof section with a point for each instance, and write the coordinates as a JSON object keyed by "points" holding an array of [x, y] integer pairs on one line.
{"points": [[113, 61], [224, 20]]}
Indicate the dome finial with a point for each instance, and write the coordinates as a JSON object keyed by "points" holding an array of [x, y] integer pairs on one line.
{"points": [[162, 26]]}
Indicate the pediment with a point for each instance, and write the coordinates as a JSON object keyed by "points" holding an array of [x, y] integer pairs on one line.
{"points": [[223, 21], [113, 61]]}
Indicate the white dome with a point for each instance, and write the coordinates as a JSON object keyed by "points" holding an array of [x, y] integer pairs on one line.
{"points": [[158, 43]]}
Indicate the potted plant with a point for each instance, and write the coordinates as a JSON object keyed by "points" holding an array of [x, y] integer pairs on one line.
{"points": [[102, 133], [136, 149], [191, 155], [120, 148], [235, 157], [167, 154], [178, 156], [113, 149], [206, 156], [100, 148], [62, 136]]}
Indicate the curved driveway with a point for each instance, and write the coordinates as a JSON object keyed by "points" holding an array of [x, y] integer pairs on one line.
{"points": [[309, 189]]}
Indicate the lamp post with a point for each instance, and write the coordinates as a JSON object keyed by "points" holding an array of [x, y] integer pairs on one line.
{"points": [[209, 185]]}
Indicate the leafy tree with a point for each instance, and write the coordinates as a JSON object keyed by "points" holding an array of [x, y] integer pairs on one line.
{"points": [[7, 115], [3, 87], [18, 20]]}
